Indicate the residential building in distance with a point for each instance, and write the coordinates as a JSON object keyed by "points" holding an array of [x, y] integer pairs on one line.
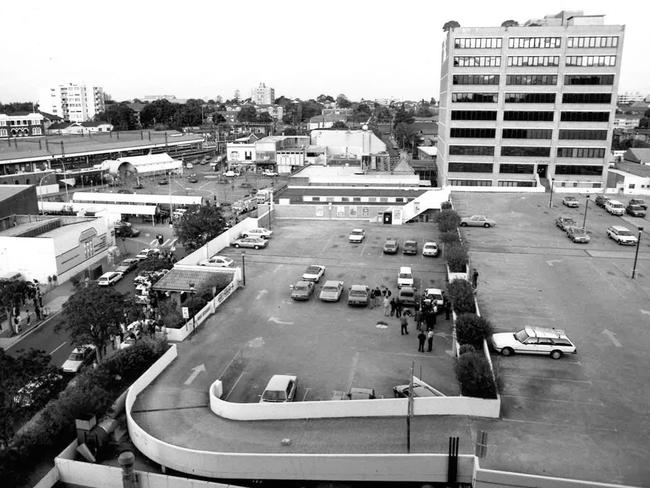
{"points": [[626, 121], [524, 108], [75, 103], [629, 97], [21, 125], [263, 95], [62, 128]]}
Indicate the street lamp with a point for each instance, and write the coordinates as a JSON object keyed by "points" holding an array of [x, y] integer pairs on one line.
{"points": [[584, 220], [243, 268], [636, 254], [192, 292], [550, 202]]}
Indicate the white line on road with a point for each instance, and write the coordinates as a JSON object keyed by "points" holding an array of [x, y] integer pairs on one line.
{"points": [[645, 312], [353, 370], [549, 378], [557, 424], [304, 397], [59, 347], [555, 400], [612, 337], [153, 242], [234, 385]]}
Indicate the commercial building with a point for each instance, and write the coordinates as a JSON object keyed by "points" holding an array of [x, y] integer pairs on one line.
{"points": [[75, 103], [263, 95], [524, 108], [21, 125]]}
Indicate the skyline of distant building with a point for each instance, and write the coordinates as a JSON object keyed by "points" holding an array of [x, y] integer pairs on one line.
{"points": [[263, 95], [72, 102]]}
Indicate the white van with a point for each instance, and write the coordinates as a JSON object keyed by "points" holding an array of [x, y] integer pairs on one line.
{"points": [[281, 388], [615, 207], [404, 277]]}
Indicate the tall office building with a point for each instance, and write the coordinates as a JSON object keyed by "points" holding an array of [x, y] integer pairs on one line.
{"points": [[263, 95], [75, 103], [529, 105]]}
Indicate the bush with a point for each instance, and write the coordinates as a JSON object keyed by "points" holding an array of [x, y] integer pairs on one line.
{"points": [[449, 237], [445, 206], [475, 376], [461, 295], [456, 255], [472, 329], [466, 348], [448, 220]]}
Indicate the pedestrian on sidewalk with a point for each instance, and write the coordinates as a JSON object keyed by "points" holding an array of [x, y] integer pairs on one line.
{"points": [[37, 311], [371, 302], [421, 338], [418, 319], [398, 308], [386, 306], [404, 325], [393, 307], [447, 306], [475, 278], [430, 339], [377, 296]]}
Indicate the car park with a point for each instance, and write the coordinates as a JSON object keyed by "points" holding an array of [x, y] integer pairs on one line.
{"points": [[571, 202], [127, 265], [420, 390], [251, 242], [280, 388], [359, 295], [639, 202], [391, 246], [410, 247], [477, 221], [78, 358], [404, 277], [565, 222], [331, 291], [635, 210], [258, 232], [622, 235], [615, 207], [433, 295], [430, 248], [314, 273], [533, 340], [601, 200], [578, 234], [357, 236], [217, 262], [407, 296], [109, 279], [302, 290]]}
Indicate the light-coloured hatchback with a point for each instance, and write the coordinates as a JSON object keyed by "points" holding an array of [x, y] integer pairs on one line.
{"points": [[280, 388], [404, 277]]}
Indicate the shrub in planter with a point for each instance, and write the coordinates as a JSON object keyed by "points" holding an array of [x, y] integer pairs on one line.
{"points": [[445, 206], [472, 329], [449, 237], [475, 376], [456, 255], [448, 220], [461, 295], [466, 348]]}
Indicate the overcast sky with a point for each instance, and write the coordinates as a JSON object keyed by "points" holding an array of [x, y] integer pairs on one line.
{"points": [[201, 49]]}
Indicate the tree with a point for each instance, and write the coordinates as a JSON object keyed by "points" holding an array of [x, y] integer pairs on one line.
{"points": [[472, 329], [158, 112], [339, 124], [343, 102], [461, 295], [475, 376], [510, 23], [195, 229], [361, 113], [382, 114], [290, 131], [14, 107], [12, 296], [448, 220], [265, 117], [403, 116], [405, 133], [93, 314], [457, 259], [120, 115], [247, 114], [153, 263], [325, 99], [451, 24]]}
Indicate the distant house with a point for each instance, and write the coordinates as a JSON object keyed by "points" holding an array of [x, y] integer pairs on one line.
{"points": [[22, 124], [626, 121], [638, 155], [326, 121], [65, 128], [629, 178]]}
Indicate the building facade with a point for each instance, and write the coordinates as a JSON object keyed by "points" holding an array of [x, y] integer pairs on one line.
{"points": [[529, 106], [263, 95], [71, 102], [21, 125]]}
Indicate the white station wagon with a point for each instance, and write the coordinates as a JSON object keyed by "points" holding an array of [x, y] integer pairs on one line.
{"points": [[534, 340]]}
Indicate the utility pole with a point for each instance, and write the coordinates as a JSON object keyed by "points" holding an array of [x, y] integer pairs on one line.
{"points": [[409, 411]]}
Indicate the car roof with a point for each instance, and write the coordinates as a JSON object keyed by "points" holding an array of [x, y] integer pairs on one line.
{"points": [[358, 287], [430, 243], [404, 269], [433, 290], [332, 283], [279, 381], [545, 332], [619, 227]]}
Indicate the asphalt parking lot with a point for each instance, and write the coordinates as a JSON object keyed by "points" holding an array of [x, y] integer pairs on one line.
{"points": [[585, 407]]}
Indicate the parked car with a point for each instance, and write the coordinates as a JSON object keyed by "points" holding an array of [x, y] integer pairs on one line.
{"points": [[404, 277], [359, 295], [615, 207], [407, 296], [192, 179], [578, 234], [39, 390], [331, 291], [565, 222], [433, 295], [231, 174], [189, 165], [420, 390], [138, 186], [217, 262], [361, 394], [147, 253], [268, 172], [302, 290], [635, 210], [430, 249], [252, 242], [78, 358], [109, 279], [391, 246], [126, 231], [258, 232], [280, 388], [638, 201], [314, 273], [410, 247], [127, 265], [601, 200], [622, 235], [163, 182], [571, 202], [534, 340], [477, 221], [357, 236]]}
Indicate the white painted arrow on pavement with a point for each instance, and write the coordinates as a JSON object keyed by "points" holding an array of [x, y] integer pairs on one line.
{"points": [[612, 337], [551, 261], [260, 294], [645, 312], [278, 321], [196, 370]]}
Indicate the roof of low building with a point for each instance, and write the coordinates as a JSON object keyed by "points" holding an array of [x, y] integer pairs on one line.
{"points": [[633, 168], [180, 278], [8, 191], [95, 124], [638, 154]]}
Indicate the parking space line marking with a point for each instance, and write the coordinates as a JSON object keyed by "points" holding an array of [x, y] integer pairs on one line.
{"points": [[549, 378], [234, 385], [353, 369], [556, 424], [59, 347], [304, 397], [556, 400]]}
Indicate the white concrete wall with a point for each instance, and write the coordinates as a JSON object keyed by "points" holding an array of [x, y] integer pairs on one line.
{"points": [[33, 257], [491, 478], [431, 199]]}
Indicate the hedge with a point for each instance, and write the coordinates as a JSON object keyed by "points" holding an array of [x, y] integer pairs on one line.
{"points": [[449, 237], [457, 259], [448, 220], [461, 295], [472, 329], [475, 376]]}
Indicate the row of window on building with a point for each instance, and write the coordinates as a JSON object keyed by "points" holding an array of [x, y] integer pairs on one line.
{"points": [[528, 151], [536, 42], [530, 116], [307, 198], [526, 97], [510, 183], [503, 168], [533, 61], [540, 79], [518, 133]]}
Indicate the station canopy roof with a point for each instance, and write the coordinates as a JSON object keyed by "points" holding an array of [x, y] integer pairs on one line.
{"points": [[143, 165]]}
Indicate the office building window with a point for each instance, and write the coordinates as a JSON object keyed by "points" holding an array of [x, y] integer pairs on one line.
{"points": [[534, 42], [474, 97], [478, 43], [576, 169], [533, 60], [472, 132], [471, 61], [586, 135], [470, 167], [591, 60], [526, 151], [530, 97], [535, 116], [586, 98], [474, 115], [455, 182], [475, 79], [600, 41], [471, 150], [527, 133], [531, 80], [516, 168], [585, 117], [516, 183], [588, 79], [580, 152]]}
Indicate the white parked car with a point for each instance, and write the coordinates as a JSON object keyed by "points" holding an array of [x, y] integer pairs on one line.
{"points": [[79, 357], [430, 249], [258, 232], [434, 295], [268, 172], [357, 235], [477, 221], [331, 291], [217, 261], [622, 235], [109, 279], [231, 174], [534, 340], [314, 273]]}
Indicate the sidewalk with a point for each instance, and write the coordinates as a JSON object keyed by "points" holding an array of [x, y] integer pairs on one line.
{"points": [[53, 301]]}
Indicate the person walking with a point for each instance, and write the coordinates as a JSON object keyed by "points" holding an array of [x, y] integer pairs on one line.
{"points": [[386, 306], [418, 319], [377, 296], [430, 339], [447, 306], [398, 308], [421, 338], [393, 307], [475, 278], [404, 325], [371, 302]]}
